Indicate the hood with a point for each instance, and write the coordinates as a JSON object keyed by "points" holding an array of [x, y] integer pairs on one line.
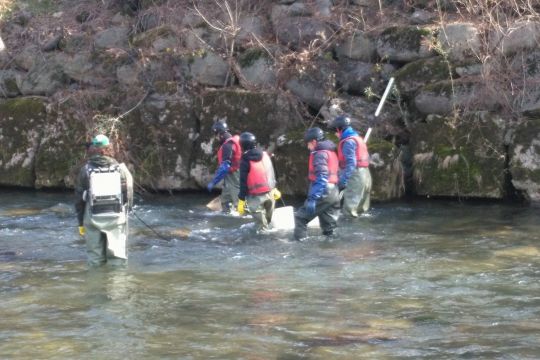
{"points": [[101, 161], [348, 132], [254, 154], [325, 145]]}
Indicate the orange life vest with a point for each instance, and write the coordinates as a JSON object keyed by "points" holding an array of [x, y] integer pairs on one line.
{"points": [[332, 166], [236, 153], [362, 155], [260, 179]]}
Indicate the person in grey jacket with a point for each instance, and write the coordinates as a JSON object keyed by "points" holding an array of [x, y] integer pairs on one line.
{"points": [[104, 195]]}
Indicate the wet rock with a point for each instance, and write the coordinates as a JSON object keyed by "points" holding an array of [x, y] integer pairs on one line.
{"points": [[20, 131], [459, 157], [525, 159]]}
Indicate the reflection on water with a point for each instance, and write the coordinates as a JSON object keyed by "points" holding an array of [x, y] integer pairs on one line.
{"points": [[425, 280]]}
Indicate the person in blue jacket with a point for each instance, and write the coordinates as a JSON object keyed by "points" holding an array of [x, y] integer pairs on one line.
{"points": [[228, 157], [354, 175], [323, 194]]}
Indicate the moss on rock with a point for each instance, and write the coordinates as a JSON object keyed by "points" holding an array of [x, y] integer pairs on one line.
{"points": [[20, 131]]}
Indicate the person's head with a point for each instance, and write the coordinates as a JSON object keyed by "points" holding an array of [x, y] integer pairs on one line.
{"points": [[220, 128], [340, 123], [248, 141], [100, 144], [312, 136]]}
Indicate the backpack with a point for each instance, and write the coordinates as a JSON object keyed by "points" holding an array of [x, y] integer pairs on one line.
{"points": [[105, 190]]}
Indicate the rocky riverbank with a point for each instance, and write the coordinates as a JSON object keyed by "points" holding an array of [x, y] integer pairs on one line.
{"points": [[463, 120]]}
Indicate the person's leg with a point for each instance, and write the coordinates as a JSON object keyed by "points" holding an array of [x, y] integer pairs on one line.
{"points": [[269, 206], [229, 193], [352, 195], [329, 212], [365, 197], [95, 246], [257, 211], [301, 219]]}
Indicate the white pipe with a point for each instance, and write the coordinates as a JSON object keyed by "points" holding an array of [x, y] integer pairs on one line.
{"points": [[383, 99], [381, 103]]}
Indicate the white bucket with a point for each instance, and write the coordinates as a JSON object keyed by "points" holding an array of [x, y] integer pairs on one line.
{"points": [[283, 219]]}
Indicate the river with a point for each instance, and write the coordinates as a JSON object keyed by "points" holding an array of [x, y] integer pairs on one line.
{"points": [[410, 280]]}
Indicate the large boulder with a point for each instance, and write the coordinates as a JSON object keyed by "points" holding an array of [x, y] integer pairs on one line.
{"points": [[462, 157], [61, 146], [21, 123], [257, 68], [8, 83], [44, 78], [356, 46], [208, 68], [525, 159], [413, 76], [444, 97], [405, 43], [161, 136], [300, 32], [312, 85], [460, 41]]}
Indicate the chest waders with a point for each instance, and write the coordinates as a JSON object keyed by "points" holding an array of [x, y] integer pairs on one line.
{"points": [[105, 215]]}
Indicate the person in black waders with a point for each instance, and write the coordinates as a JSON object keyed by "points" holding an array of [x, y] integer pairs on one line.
{"points": [[354, 175], [323, 194], [258, 191], [228, 155], [104, 192]]}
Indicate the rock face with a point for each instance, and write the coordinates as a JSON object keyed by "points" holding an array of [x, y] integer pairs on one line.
{"points": [[459, 157], [462, 120]]}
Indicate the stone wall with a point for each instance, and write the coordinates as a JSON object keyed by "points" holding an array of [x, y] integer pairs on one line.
{"points": [[156, 78]]}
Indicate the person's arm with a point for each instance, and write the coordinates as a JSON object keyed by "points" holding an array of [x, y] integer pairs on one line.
{"points": [[80, 187], [349, 153], [223, 169], [244, 170], [320, 166], [127, 186]]}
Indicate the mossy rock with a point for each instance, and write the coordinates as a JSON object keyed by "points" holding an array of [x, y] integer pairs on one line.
{"points": [[147, 38], [161, 142], [386, 170], [459, 157], [525, 159], [250, 56], [416, 74], [20, 133], [62, 147], [405, 43]]}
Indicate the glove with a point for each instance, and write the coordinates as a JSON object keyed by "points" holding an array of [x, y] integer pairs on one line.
{"points": [[310, 207], [241, 208], [341, 186], [210, 186], [82, 230], [277, 194]]}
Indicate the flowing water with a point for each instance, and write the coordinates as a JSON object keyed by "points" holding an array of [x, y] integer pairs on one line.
{"points": [[419, 280]]}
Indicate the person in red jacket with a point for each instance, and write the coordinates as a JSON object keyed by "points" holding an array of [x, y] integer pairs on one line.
{"points": [[354, 175], [257, 182], [323, 194], [228, 157]]}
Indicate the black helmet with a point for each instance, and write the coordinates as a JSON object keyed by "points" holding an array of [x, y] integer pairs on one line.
{"points": [[220, 127], [313, 133], [247, 141], [341, 122]]}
